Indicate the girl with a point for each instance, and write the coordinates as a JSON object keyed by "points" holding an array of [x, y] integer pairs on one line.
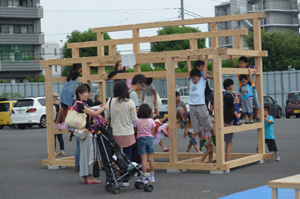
{"points": [[161, 131], [119, 68], [86, 145], [209, 145], [229, 114], [67, 95], [151, 97], [145, 127]]}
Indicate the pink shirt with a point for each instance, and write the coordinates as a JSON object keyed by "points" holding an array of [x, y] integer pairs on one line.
{"points": [[144, 127]]}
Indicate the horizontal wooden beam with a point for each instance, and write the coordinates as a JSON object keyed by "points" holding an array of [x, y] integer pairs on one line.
{"points": [[59, 162], [230, 71], [160, 38], [63, 79], [247, 53], [245, 160], [243, 127], [181, 22], [190, 166], [290, 182]]}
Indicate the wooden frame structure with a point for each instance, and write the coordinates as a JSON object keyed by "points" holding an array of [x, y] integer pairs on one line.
{"points": [[175, 160]]}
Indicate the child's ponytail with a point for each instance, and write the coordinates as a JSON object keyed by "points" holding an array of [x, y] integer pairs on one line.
{"points": [[73, 74]]}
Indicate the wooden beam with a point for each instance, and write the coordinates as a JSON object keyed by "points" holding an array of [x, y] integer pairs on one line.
{"points": [[181, 22], [75, 52], [100, 49], [190, 166], [245, 160], [247, 53], [238, 42], [291, 182], [243, 127], [237, 71], [214, 40]]}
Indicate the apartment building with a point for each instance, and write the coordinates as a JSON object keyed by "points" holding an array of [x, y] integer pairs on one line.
{"points": [[20, 39], [281, 14], [52, 50]]}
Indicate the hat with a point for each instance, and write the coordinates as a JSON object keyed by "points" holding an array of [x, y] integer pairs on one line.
{"points": [[55, 98]]}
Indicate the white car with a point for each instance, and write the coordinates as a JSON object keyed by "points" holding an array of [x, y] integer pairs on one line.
{"points": [[29, 112], [163, 108]]}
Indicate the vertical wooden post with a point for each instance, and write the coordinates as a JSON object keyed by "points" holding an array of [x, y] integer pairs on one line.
{"points": [[238, 42], [136, 48], [214, 40], [100, 49], [172, 110], [101, 69], [218, 109], [85, 72], [75, 52], [259, 83], [50, 114], [193, 44]]}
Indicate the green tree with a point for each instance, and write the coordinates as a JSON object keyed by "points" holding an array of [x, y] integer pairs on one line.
{"points": [[146, 67], [10, 95], [174, 45], [283, 48], [2, 80], [36, 79], [77, 36]]}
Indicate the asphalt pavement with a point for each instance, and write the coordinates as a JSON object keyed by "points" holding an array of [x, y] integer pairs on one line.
{"points": [[22, 176]]}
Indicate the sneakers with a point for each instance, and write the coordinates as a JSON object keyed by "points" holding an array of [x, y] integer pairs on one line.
{"points": [[165, 132], [203, 143], [61, 126], [125, 184], [251, 122], [246, 122], [277, 158], [257, 119], [152, 179], [214, 139], [61, 153]]}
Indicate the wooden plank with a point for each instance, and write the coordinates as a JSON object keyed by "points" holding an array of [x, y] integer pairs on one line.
{"points": [[238, 42], [85, 72], [75, 52], [59, 131], [218, 109], [243, 127], [189, 166], [257, 34], [214, 40], [245, 160], [237, 71], [193, 43], [247, 53], [274, 193], [50, 114], [181, 22], [291, 182]]}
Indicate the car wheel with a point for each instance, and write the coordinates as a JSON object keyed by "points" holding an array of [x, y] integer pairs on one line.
{"points": [[21, 126], [1, 126], [43, 122], [279, 113], [287, 115], [297, 116]]}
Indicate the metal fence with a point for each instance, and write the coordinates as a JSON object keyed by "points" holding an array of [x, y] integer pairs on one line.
{"points": [[276, 84]]}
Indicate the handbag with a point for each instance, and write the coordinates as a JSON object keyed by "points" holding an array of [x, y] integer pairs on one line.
{"points": [[74, 119], [109, 128], [80, 133]]}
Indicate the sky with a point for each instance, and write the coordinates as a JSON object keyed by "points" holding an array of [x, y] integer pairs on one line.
{"points": [[61, 17]]}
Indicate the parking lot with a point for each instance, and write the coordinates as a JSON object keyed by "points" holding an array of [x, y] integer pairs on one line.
{"points": [[22, 176]]}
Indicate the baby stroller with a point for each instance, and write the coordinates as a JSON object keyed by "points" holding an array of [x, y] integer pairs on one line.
{"points": [[116, 164]]}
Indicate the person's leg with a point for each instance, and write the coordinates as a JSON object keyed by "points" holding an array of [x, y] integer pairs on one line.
{"points": [[164, 148], [204, 155], [64, 115], [189, 147], [128, 152], [228, 151], [256, 104], [59, 115], [210, 154], [144, 163], [151, 162], [61, 142], [196, 147], [77, 154]]}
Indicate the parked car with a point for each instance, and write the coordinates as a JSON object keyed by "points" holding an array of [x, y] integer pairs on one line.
{"points": [[292, 106], [163, 108], [28, 112], [5, 108], [276, 110]]}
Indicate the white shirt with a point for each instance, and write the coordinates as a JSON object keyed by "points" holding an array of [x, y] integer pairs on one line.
{"points": [[197, 92]]}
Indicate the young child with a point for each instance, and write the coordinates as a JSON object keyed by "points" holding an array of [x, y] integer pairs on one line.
{"points": [[119, 68], [209, 146], [198, 109], [229, 114], [243, 63], [192, 140], [145, 127], [67, 95], [151, 97], [246, 96], [161, 131], [228, 86], [269, 134], [181, 111]]}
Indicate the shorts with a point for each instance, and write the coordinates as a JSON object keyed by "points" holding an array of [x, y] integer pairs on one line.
{"points": [[145, 145], [191, 137], [228, 138], [255, 98], [271, 144], [247, 106], [64, 106], [199, 113]]}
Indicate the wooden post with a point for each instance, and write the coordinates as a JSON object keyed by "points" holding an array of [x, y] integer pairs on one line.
{"points": [[259, 84], [172, 110], [50, 114], [100, 49], [238, 42], [193, 43], [214, 40], [75, 52], [136, 48], [218, 109], [101, 69]]}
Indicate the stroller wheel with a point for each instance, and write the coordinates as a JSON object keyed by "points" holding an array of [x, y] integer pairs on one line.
{"points": [[138, 185], [108, 187], [148, 187], [116, 190]]}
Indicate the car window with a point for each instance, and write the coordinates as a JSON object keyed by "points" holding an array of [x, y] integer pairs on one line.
{"points": [[24, 103], [294, 96], [4, 107], [186, 92], [42, 101], [164, 101]]}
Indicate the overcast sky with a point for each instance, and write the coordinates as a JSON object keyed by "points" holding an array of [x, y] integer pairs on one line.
{"points": [[61, 17]]}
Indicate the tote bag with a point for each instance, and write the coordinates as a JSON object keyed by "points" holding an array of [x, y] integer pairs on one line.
{"points": [[76, 120]]}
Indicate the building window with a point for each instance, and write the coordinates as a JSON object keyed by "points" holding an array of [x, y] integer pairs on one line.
{"points": [[43, 51], [55, 53], [56, 68]]}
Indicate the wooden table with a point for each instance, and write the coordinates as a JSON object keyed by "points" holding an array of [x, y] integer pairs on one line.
{"points": [[291, 182]]}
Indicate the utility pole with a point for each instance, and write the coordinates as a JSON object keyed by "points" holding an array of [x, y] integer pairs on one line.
{"points": [[182, 10]]}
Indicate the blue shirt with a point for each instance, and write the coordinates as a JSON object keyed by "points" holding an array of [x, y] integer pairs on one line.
{"points": [[206, 75], [246, 91], [197, 92], [269, 128]]}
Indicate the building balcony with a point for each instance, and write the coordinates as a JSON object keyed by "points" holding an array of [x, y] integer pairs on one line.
{"points": [[20, 66], [22, 12], [287, 22], [273, 8], [31, 39]]}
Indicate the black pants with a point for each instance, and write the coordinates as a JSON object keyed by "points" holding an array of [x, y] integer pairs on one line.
{"points": [[60, 140]]}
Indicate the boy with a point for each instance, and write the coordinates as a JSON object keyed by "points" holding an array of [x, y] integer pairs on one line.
{"points": [[247, 97], [136, 85], [269, 135], [198, 109], [228, 86], [243, 63]]}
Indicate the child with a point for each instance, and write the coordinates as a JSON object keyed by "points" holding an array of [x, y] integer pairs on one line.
{"points": [[246, 96], [58, 136], [181, 111], [161, 131], [192, 141], [67, 95], [228, 86], [269, 134], [243, 63], [209, 146], [151, 97], [119, 68], [198, 109], [229, 114], [145, 127]]}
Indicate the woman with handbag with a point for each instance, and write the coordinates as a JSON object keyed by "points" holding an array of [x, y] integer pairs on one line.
{"points": [[121, 112], [86, 143]]}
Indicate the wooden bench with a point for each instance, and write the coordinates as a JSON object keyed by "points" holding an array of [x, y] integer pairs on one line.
{"points": [[291, 182]]}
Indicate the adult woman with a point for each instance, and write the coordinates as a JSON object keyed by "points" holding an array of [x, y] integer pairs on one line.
{"points": [[123, 115], [86, 146]]}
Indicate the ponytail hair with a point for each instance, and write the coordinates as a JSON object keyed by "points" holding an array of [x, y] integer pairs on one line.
{"points": [[73, 74]]}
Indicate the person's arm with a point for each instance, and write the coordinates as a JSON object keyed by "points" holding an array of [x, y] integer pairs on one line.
{"points": [[205, 67], [185, 112], [232, 61], [237, 115], [269, 121], [153, 131], [111, 74], [210, 73], [155, 97], [250, 75], [189, 64], [256, 69], [93, 113]]}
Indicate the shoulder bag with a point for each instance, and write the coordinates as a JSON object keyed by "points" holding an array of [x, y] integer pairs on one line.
{"points": [[109, 127]]}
